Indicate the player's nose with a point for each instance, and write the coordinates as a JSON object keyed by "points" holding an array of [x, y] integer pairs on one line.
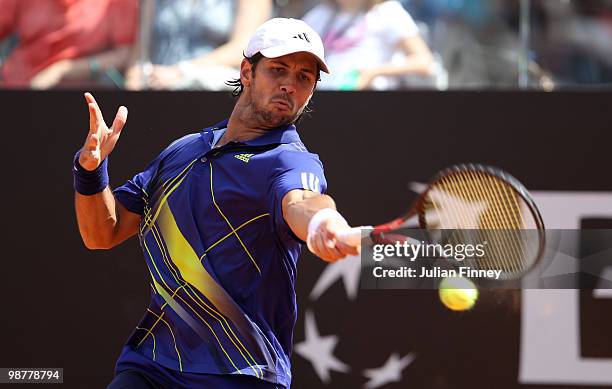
{"points": [[288, 87]]}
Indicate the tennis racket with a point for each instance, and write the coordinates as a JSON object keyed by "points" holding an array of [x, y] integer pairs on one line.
{"points": [[469, 201]]}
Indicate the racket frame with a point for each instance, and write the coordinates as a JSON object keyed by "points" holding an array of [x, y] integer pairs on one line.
{"points": [[380, 234]]}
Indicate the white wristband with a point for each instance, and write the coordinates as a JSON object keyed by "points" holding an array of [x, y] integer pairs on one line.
{"points": [[321, 216]]}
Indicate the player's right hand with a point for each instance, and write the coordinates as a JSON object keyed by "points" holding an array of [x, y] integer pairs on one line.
{"points": [[324, 242], [100, 140]]}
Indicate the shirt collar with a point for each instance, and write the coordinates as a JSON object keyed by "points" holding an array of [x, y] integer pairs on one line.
{"points": [[283, 134]]}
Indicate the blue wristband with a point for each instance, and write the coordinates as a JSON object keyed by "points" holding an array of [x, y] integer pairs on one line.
{"points": [[88, 182]]}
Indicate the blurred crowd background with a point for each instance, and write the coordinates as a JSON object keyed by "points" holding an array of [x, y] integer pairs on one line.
{"points": [[370, 44]]}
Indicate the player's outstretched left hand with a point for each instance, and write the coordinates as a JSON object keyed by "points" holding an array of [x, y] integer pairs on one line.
{"points": [[100, 140]]}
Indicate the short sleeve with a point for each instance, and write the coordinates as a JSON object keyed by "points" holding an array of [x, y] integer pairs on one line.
{"points": [[293, 170], [133, 195], [8, 17], [124, 16], [394, 20]]}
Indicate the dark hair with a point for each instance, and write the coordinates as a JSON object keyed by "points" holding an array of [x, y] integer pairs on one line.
{"points": [[236, 83]]}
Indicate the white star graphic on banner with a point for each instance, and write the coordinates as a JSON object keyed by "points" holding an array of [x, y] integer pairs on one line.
{"points": [[348, 269], [604, 293], [454, 209], [391, 371], [318, 350]]}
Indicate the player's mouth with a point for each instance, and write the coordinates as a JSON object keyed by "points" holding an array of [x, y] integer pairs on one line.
{"points": [[283, 104]]}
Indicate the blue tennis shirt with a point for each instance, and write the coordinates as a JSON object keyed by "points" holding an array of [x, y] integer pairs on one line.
{"points": [[221, 257]]}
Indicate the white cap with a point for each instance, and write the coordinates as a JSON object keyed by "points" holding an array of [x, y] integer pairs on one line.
{"points": [[282, 36]]}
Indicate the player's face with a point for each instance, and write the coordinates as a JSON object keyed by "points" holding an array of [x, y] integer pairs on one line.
{"points": [[280, 88]]}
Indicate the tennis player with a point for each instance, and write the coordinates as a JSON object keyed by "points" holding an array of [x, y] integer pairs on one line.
{"points": [[221, 216]]}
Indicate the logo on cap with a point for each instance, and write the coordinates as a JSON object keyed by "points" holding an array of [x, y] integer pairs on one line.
{"points": [[302, 36]]}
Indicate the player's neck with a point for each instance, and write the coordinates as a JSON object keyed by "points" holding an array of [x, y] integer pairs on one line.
{"points": [[239, 128], [238, 132], [243, 125]]}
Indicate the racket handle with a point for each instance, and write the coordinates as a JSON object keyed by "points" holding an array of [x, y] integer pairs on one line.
{"points": [[352, 237]]}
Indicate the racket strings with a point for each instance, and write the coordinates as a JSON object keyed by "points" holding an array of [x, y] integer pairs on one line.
{"points": [[492, 220], [466, 192], [507, 207], [478, 201]]}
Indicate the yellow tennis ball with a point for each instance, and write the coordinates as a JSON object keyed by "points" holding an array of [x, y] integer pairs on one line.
{"points": [[458, 293]]}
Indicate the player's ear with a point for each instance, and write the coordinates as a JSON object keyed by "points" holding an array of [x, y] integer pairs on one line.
{"points": [[246, 72]]}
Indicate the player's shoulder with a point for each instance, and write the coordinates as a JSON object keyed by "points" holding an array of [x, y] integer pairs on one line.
{"points": [[184, 140], [296, 146], [295, 154], [181, 144]]}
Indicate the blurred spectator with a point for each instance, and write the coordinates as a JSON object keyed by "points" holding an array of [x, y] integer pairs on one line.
{"points": [[479, 46], [293, 8], [361, 38], [193, 44], [573, 40], [66, 42]]}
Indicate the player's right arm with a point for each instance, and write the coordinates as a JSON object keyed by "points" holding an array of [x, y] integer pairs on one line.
{"points": [[103, 221]]}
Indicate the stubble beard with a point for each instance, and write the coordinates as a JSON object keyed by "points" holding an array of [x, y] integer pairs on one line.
{"points": [[265, 118]]}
